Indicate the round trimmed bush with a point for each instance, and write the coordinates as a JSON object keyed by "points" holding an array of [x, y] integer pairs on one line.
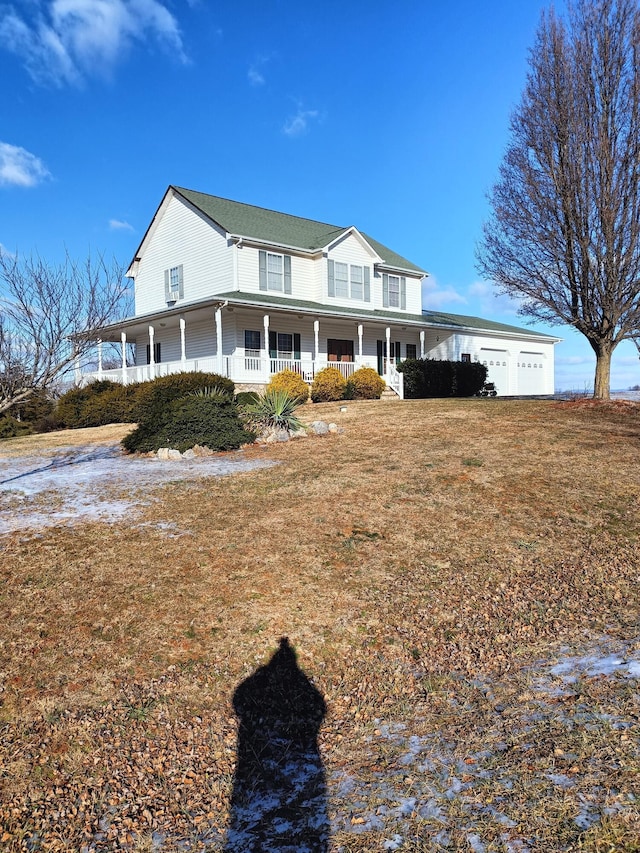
{"points": [[208, 421], [329, 384], [291, 383], [365, 384]]}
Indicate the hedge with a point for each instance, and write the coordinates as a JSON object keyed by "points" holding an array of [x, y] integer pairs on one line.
{"points": [[428, 377]]}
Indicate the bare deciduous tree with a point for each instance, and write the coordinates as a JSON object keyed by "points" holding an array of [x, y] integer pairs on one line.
{"points": [[564, 235], [48, 318]]}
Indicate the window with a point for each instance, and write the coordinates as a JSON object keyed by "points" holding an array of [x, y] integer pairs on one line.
{"points": [[285, 346], [173, 284], [156, 353], [251, 349], [412, 351], [348, 281], [394, 291], [466, 356], [342, 280], [251, 342], [274, 272]]}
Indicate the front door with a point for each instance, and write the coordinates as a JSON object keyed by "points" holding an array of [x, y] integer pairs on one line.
{"points": [[338, 350], [394, 351]]}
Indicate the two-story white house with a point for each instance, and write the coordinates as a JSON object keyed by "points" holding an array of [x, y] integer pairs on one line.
{"points": [[234, 289]]}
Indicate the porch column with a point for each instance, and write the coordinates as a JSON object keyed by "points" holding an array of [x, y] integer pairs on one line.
{"points": [[152, 355], [123, 342], [316, 339], [360, 333], [421, 343], [266, 372], [183, 345], [99, 358], [218, 319], [388, 345]]}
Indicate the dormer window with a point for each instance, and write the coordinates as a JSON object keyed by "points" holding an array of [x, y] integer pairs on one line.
{"points": [[348, 281]]}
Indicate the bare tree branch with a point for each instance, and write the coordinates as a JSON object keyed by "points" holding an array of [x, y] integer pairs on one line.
{"points": [[48, 318], [564, 235]]}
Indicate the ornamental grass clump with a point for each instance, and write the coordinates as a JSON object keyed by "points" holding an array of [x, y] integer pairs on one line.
{"points": [[365, 384], [292, 383], [274, 410], [328, 385]]}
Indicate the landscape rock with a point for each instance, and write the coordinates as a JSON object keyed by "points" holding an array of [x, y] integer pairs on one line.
{"points": [[319, 427], [189, 454], [299, 433], [174, 455], [277, 435], [199, 450], [163, 453]]}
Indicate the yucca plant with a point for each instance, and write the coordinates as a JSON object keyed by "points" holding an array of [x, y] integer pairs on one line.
{"points": [[275, 409]]}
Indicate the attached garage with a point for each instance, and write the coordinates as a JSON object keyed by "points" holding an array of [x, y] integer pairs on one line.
{"points": [[530, 369], [497, 362]]}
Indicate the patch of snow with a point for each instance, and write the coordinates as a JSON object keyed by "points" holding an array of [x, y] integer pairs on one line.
{"points": [[90, 484]]}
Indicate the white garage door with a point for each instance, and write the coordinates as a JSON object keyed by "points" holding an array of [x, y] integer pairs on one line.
{"points": [[530, 373], [496, 361]]}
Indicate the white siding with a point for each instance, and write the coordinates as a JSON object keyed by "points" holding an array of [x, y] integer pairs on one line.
{"points": [[183, 236], [303, 284]]}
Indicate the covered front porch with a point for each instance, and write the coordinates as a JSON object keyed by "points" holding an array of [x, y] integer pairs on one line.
{"points": [[249, 346]]}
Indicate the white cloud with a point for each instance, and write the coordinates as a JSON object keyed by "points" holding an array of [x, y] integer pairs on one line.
{"points": [[18, 167], [119, 225], [491, 301], [61, 41], [298, 124], [437, 298]]}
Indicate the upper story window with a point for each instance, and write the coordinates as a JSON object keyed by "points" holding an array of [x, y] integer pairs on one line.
{"points": [[394, 291], [348, 281], [274, 271], [173, 284]]}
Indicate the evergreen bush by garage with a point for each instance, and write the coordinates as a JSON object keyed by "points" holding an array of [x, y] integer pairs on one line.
{"points": [[429, 377], [191, 420]]}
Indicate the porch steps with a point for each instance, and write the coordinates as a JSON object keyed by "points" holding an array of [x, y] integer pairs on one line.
{"points": [[389, 394]]}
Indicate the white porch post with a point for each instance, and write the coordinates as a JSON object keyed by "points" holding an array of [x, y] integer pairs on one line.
{"points": [[99, 358], [421, 343], [267, 359], [218, 319], [123, 341], [183, 345], [316, 339], [152, 355], [388, 345], [360, 333]]}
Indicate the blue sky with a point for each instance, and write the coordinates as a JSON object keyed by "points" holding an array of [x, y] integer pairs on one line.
{"points": [[391, 116]]}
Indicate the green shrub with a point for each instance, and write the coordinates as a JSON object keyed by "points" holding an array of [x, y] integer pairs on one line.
{"points": [[10, 427], [291, 383], [275, 409], [428, 377], [38, 405], [153, 398], [213, 392], [365, 384], [98, 403], [246, 398], [329, 384], [191, 420]]}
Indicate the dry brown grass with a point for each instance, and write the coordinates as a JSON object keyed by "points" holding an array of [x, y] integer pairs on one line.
{"points": [[420, 563]]}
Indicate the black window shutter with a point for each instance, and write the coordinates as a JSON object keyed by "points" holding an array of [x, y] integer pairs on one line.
{"points": [[296, 346], [273, 345]]}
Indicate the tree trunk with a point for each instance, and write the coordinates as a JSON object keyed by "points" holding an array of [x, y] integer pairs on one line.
{"points": [[602, 382]]}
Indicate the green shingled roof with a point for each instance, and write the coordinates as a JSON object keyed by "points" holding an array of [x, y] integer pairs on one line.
{"points": [[281, 229]]}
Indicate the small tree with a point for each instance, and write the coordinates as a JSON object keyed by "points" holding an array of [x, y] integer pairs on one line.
{"points": [[564, 236], [48, 318]]}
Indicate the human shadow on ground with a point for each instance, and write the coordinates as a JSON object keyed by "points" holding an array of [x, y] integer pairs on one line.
{"points": [[65, 459], [279, 802]]}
